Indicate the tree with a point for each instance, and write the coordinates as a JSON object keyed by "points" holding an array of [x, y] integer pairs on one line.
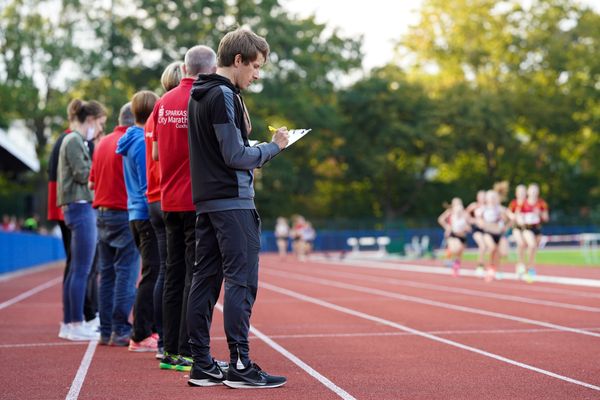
{"points": [[36, 52], [391, 141]]}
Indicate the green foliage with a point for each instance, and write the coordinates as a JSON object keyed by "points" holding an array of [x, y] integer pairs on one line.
{"points": [[483, 90]]}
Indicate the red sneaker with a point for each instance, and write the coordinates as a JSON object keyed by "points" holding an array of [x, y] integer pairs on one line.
{"points": [[147, 345]]}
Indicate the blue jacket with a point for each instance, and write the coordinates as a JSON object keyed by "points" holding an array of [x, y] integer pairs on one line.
{"points": [[133, 149]]}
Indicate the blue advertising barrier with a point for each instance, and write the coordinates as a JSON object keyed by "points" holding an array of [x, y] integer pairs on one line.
{"points": [[337, 240], [19, 250]]}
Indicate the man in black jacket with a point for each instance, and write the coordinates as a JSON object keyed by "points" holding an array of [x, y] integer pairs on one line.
{"points": [[227, 224]]}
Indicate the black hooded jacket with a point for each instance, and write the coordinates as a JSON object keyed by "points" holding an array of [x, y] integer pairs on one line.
{"points": [[221, 159]]}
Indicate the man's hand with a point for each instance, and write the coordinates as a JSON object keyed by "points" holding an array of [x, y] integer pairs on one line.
{"points": [[280, 137]]}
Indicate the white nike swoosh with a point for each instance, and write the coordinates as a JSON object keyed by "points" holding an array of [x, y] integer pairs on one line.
{"points": [[220, 376]]}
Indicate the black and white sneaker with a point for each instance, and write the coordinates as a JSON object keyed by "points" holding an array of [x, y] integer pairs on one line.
{"points": [[224, 365], [252, 377], [206, 377]]}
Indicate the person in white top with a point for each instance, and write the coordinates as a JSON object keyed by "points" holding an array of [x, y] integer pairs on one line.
{"points": [[455, 221], [474, 211], [493, 221], [282, 234], [518, 224], [308, 237]]}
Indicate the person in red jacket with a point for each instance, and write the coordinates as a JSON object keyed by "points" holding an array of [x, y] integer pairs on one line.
{"points": [[170, 78], [171, 137], [534, 213], [118, 258], [54, 211], [515, 207]]}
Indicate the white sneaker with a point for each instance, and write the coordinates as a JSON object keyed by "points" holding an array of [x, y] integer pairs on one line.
{"points": [[93, 325], [80, 332], [64, 331], [520, 270]]}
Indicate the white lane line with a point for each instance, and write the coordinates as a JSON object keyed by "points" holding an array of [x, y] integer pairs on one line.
{"points": [[404, 328], [391, 266], [82, 371], [420, 300], [28, 271], [51, 344], [307, 368], [30, 292], [376, 334], [442, 333], [469, 292], [330, 335], [465, 272]]}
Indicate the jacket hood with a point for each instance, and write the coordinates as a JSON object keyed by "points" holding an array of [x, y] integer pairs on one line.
{"points": [[133, 134], [205, 83]]}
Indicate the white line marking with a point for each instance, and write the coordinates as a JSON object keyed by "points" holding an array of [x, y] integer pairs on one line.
{"points": [[469, 292], [433, 303], [30, 293], [25, 345], [442, 333], [404, 328], [28, 271], [375, 334], [82, 371], [307, 368]]}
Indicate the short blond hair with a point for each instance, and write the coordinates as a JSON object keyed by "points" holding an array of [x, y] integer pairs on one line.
{"points": [[171, 76], [243, 42]]}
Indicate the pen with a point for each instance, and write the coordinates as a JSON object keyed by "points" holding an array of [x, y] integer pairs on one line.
{"points": [[272, 129]]}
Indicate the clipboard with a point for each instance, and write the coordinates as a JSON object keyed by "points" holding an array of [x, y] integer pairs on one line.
{"points": [[293, 136]]}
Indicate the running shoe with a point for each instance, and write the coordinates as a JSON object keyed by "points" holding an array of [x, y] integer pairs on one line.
{"points": [[93, 324], [119, 340], [147, 345], [184, 364], [224, 365], [490, 274], [211, 376], [78, 332], [480, 271], [169, 361], [455, 268], [530, 277], [252, 377], [160, 353], [64, 330], [520, 270]]}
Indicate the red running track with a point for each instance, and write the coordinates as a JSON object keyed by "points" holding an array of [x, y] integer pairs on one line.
{"points": [[336, 331]]}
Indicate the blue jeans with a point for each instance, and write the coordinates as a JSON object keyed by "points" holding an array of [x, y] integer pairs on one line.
{"points": [[79, 218], [119, 267]]}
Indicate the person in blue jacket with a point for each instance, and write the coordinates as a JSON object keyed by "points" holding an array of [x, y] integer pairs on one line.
{"points": [[133, 149]]}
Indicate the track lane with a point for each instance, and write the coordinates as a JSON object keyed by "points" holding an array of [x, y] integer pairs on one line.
{"points": [[573, 349], [12, 288], [417, 368], [584, 297]]}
